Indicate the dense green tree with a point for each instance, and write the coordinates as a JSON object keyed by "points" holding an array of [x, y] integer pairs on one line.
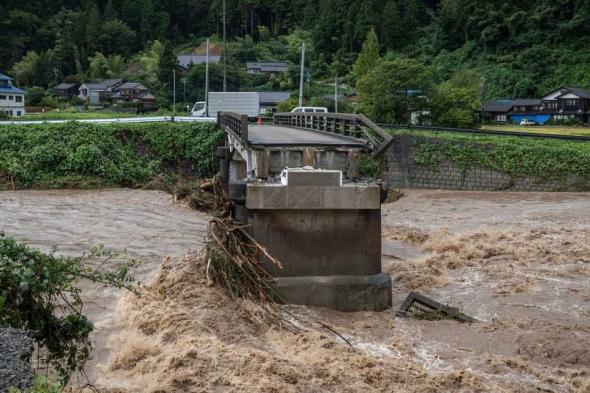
{"points": [[390, 26], [25, 68], [369, 56], [394, 88], [116, 38], [455, 102]]}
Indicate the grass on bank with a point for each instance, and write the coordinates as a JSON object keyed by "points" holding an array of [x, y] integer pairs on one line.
{"points": [[559, 130], [515, 156], [82, 155]]}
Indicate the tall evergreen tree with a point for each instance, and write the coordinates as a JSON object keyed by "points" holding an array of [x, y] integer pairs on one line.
{"points": [[369, 56], [391, 32]]}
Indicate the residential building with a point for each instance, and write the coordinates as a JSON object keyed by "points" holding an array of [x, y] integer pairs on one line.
{"points": [[567, 103], [266, 67], [136, 93], [529, 109], [97, 93], [186, 60], [12, 99], [270, 99], [497, 111], [66, 90]]}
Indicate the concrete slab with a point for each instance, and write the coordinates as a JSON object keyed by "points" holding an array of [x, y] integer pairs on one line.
{"points": [[347, 197]]}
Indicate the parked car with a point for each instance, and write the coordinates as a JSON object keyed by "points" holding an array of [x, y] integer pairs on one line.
{"points": [[310, 109], [527, 122]]}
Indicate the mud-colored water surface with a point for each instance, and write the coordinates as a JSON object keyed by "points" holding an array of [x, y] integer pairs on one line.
{"points": [[519, 263]]}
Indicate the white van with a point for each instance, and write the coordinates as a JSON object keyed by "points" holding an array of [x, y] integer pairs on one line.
{"points": [[310, 109]]}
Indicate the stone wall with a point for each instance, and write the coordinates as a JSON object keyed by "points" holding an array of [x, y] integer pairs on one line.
{"points": [[402, 171]]}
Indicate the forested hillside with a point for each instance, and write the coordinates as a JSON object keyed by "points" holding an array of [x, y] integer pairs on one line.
{"points": [[513, 48]]}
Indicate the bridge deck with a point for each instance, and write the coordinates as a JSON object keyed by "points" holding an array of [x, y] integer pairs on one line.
{"points": [[272, 135]]}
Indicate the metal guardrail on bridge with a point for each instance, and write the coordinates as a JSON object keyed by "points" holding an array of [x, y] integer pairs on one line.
{"points": [[477, 131], [352, 125], [234, 123]]}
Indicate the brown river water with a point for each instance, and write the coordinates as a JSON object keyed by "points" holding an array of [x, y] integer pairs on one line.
{"points": [[519, 263]]}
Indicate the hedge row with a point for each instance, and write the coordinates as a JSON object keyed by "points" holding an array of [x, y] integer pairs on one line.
{"points": [[516, 156]]}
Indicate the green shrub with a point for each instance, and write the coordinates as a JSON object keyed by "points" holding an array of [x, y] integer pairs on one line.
{"points": [[42, 385], [38, 294], [93, 155]]}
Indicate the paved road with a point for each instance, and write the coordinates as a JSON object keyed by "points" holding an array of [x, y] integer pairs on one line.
{"points": [[276, 135]]}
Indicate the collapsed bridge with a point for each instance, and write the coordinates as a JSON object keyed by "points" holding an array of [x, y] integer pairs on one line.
{"points": [[296, 185]]}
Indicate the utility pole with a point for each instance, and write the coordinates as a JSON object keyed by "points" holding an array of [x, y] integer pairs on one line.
{"points": [[336, 94], [183, 89], [302, 75], [173, 93], [207, 80], [481, 94], [224, 50]]}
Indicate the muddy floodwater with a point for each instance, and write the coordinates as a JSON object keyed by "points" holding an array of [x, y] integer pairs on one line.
{"points": [[518, 262]]}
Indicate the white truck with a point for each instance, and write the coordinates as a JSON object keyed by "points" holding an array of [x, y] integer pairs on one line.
{"points": [[247, 103]]}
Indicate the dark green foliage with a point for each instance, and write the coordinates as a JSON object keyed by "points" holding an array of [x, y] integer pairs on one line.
{"points": [[541, 158], [88, 155], [522, 48], [37, 293]]}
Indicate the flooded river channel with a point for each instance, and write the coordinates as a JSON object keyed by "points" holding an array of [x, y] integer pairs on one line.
{"points": [[518, 262]]}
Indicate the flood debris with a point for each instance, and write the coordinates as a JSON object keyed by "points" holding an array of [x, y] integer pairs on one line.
{"points": [[430, 309]]}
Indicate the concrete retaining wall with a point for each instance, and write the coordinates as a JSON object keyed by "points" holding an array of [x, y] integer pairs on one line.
{"points": [[403, 172]]}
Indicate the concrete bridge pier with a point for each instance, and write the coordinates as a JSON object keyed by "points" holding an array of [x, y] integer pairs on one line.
{"points": [[327, 236]]}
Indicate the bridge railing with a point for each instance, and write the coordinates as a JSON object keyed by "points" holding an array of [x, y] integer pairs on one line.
{"points": [[234, 123], [345, 124]]}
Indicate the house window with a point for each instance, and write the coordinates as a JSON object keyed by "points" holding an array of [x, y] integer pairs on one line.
{"points": [[571, 102], [500, 117], [19, 113], [2, 97], [11, 98], [19, 98]]}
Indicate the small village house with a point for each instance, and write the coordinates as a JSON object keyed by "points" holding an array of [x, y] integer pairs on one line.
{"points": [[66, 90], [133, 92], [12, 99], [97, 93]]}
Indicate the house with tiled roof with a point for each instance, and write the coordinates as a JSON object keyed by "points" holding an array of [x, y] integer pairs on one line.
{"points": [[12, 99], [97, 93], [136, 93]]}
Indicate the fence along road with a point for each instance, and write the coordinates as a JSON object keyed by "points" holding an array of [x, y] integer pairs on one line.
{"points": [[121, 120]]}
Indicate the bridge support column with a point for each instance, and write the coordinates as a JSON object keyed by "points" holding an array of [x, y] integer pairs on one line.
{"points": [[326, 235]]}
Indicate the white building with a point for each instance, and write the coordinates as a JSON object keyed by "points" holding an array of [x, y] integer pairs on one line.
{"points": [[12, 99]]}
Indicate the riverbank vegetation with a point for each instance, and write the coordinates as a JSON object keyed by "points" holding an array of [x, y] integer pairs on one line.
{"points": [[516, 156], [38, 293], [80, 155]]}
